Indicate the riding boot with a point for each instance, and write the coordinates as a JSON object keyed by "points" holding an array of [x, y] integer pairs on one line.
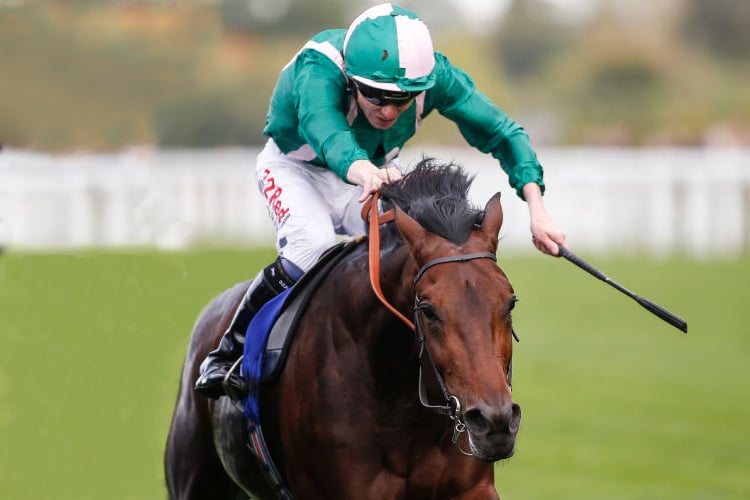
{"points": [[218, 376]]}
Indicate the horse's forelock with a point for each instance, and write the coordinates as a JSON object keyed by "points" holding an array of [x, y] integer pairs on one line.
{"points": [[437, 196]]}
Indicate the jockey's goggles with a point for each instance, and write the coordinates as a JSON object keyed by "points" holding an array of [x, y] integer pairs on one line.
{"points": [[380, 97]]}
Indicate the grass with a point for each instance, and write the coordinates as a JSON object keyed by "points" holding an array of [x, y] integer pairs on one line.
{"points": [[616, 403], [620, 405]]}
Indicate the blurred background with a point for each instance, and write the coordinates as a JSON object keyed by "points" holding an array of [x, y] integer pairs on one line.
{"points": [[103, 76], [137, 123], [128, 134]]}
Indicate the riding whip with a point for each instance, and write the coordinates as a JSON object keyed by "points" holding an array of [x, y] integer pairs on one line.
{"points": [[659, 311]]}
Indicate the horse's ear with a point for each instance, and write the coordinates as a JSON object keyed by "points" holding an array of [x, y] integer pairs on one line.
{"points": [[412, 231], [492, 221]]}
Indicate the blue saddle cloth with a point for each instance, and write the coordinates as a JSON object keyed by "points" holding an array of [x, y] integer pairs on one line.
{"points": [[256, 338], [266, 342]]}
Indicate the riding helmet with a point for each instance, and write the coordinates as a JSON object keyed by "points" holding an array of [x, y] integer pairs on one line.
{"points": [[390, 48]]}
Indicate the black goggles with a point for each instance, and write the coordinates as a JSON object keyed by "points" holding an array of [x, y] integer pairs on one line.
{"points": [[380, 97]]}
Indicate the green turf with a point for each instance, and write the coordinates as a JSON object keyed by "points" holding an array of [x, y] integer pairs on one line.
{"points": [[616, 403]]}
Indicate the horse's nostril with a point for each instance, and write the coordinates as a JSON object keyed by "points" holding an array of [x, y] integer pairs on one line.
{"points": [[476, 421], [504, 419], [515, 419]]}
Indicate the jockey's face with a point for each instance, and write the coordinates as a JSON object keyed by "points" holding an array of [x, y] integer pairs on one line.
{"points": [[381, 117]]}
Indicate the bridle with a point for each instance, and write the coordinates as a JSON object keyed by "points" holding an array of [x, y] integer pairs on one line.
{"points": [[452, 406]]}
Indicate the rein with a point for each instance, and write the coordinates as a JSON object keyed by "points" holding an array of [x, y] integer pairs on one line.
{"points": [[370, 209], [452, 407]]}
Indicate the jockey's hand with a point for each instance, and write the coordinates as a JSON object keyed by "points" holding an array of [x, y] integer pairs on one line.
{"points": [[371, 178], [544, 233]]}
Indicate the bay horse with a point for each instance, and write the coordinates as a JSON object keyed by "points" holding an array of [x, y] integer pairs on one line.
{"points": [[367, 406]]}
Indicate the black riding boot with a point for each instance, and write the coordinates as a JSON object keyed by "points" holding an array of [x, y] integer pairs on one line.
{"points": [[213, 381]]}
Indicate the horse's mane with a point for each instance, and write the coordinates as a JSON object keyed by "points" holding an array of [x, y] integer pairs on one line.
{"points": [[437, 196]]}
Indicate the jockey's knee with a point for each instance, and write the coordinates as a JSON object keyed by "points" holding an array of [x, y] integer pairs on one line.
{"points": [[292, 270], [304, 252]]}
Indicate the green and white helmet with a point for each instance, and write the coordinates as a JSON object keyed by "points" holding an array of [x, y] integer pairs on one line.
{"points": [[390, 48]]}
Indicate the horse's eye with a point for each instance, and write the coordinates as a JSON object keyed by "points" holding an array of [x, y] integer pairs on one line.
{"points": [[512, 304], [429, 312]]}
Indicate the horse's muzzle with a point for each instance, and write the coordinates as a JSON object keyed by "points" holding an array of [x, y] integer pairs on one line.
{"points": [[492, 430]]}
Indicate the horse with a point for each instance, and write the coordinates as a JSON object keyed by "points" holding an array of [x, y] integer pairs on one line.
{"points": [[369, 404]]}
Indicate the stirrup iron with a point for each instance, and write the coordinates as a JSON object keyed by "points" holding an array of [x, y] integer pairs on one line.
{"points": [[228, 388]]}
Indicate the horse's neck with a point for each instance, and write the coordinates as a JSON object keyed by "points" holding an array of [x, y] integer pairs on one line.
{"points": [[391, 342]]}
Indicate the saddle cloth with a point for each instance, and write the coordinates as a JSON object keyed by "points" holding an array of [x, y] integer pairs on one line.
{"points": [[269, 334]]}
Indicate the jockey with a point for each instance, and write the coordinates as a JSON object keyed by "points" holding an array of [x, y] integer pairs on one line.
{"points": [[341, 112]]}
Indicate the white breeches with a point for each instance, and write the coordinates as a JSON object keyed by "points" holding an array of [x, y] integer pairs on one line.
{"points": [[309, 205]]}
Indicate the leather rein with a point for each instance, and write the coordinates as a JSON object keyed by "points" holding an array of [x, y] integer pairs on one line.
{"points": [[452, 406]]}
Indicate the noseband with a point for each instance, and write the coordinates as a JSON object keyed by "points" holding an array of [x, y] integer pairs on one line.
{"points": [[452, 407]]}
